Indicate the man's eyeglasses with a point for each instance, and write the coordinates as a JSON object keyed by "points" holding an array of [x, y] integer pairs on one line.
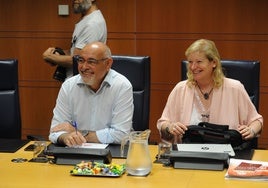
{"points": [[91, 61]]}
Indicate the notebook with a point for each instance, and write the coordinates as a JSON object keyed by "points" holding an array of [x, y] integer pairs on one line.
{"points": [[213, 148]]}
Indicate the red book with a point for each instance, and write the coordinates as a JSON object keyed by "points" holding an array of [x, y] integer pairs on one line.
{"points": [[247, 169]]}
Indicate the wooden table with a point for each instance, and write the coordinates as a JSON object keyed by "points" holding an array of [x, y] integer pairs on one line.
{"points": [[28, 175]]}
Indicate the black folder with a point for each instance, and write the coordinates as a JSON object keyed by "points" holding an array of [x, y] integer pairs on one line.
{"points": [[198, 160], [11, 145], [71, 156]]}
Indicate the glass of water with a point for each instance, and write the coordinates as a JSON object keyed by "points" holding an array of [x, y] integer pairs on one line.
{"points": [[163, 148], [39, 147]]}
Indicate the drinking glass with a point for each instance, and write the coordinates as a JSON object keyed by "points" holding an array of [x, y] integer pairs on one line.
{"points": [[39, 147], [163, 148]]}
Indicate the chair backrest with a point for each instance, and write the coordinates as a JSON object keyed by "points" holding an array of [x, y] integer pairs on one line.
{"points": [[247, 72], [137, 70], [10, 126]]}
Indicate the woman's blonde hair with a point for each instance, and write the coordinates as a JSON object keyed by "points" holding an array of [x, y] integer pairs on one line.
{"points": [[207, 47]]}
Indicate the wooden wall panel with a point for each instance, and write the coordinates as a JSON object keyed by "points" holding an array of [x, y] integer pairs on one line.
{"points": [[148, 27], [206, 16], [125, 46], [31, 63], [31, 15], [120, 15], [37, 103]]}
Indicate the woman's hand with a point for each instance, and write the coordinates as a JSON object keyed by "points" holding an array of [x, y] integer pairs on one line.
{"points": [[172, 132], [246, 132], [250, 131], [177, 128]]}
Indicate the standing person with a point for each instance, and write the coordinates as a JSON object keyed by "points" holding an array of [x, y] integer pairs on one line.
{"points": [[94, 106], [208, 96], [90, 28]]}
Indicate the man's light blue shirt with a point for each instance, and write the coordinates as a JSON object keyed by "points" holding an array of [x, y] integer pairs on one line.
{"points": [[108, 111]]}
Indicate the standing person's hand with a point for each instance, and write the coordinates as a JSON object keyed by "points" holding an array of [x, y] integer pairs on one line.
{"points": [[47, 56]]}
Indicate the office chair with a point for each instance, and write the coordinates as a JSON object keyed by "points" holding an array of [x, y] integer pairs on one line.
{"points": [[137, 70], [247, 72], [10, 126]]}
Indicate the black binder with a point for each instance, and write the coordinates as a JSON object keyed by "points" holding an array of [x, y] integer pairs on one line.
{"points": [[198, 160], [71, 156]]}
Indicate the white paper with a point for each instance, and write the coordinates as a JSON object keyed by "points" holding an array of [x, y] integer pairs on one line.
{"points": [[92, 146]]}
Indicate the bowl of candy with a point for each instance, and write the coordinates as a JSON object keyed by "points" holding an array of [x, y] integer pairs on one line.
{"points": [[98, 169]]}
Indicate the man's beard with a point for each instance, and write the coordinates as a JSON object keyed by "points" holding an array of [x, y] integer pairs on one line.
{"points": [[89, 81], [82, 7]]}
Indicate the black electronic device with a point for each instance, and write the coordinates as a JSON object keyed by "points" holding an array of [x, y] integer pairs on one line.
{"points": [[198, 160], [71, 156], [60, 72], [11, 145]]}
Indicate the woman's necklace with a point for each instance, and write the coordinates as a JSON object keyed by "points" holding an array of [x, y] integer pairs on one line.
{"points": [[205, 95], [203, 109]]}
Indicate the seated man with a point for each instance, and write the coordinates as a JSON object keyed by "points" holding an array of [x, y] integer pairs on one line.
{"points": [[94, 106]]}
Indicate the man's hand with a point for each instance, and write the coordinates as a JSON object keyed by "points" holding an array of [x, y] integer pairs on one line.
{"points": [[67, 127], [48, 56], [72, 139]]}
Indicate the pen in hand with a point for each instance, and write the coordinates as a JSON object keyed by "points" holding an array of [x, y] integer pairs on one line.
{"points": [[75, 126]]}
